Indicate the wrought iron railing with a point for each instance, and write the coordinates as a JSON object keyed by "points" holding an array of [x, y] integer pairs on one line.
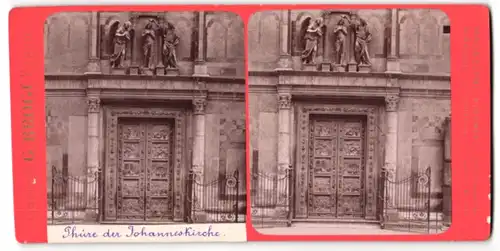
{"points": [[271, 198], [218, 201], [73, 199], [405, 204]]}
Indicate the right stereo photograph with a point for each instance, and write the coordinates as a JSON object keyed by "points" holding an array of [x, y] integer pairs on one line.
{"points": [[349, 121]]}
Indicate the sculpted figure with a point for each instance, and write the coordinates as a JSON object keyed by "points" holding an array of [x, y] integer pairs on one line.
{"points": [[362, 39], [121, 40], [148, 41], [170, 42], [313, 33], [340, 33]]}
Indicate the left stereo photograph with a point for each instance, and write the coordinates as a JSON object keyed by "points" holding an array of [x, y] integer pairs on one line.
{"points": [[145, 118]]}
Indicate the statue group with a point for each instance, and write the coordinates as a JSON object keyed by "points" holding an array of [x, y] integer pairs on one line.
{"points": [[359, 45], [152, 31]]}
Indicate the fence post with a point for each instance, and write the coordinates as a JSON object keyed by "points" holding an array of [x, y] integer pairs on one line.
{"points": [[52, 193], [290, 180], [428, 174], [237, 201]]}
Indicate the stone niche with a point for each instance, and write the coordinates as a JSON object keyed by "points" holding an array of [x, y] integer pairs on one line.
{"points": [[335, 36]]}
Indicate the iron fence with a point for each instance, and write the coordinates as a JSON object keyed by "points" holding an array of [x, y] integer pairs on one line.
{"points": [[218, 201], [272, 199], [72, 199], [406, 203]]}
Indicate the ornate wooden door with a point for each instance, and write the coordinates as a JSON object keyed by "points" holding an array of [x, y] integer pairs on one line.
{"points": [[336, 170], [144, 189]]}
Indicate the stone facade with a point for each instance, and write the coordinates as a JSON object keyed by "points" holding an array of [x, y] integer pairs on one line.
{"points": [[145, 127], [401, 98]]}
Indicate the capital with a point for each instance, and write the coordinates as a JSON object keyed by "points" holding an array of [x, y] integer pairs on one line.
{"points": [[199, 105], [93, 105], [284, 101], [391, 103]]}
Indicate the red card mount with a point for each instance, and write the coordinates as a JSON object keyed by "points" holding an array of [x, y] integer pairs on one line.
{"points": [[335, 120]]}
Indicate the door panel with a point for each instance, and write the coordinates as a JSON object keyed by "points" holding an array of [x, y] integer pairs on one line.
{"points": [[159, 193], [336, 172], [130, 199], [145, 189]]}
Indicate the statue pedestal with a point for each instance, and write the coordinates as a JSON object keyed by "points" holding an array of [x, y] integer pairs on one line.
{"points": [[146, 71], [392, 65], [338, 68], [200, 69], [365, 68], [160, 70], [118, 71], [352, 67], [172, 72], [133, 70], [326, 66], [310, 67]]}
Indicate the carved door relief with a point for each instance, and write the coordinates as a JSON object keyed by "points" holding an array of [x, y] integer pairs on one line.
{"points": [[336, 169], [143, 171]]}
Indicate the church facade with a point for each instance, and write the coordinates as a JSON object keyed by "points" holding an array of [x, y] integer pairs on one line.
{"points": [[349, 112], [145, 117]]}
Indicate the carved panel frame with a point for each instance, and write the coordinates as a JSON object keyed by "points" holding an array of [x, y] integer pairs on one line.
{"points": [[371, 153], [112, 115]]}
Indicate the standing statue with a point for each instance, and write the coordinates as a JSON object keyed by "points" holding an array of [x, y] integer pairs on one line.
{"points": [[362, 39], [121, 39], [148, 41], [170, 42], [340, 33], [313, 33]]}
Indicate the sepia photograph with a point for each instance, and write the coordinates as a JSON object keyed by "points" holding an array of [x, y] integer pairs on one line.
{"points": [[349, 121], [145, 118]]}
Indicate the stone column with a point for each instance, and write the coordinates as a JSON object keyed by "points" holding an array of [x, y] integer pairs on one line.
{"points": [[391, 154], [285, 60], [200, 67], [392, 58], [284, 109], [198, 167], [92, 157], [93, 67]]}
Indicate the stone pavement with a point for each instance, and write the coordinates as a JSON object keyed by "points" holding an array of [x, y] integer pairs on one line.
{"points": [[330, 229]]}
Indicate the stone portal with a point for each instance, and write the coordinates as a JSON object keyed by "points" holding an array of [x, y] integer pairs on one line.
{"points": [[336, 168]]}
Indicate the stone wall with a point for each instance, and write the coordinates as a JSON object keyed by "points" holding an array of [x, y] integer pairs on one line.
{"points": [[66, 135], [225, 140], [421, 129], [263, 114], [67, 42], [424, 45]]}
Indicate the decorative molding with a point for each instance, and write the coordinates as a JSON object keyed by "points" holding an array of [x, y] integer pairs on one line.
{"points": [[93, 105], [398, 75], [391, 103], [303, 160], [284, 101], [199, 105], [112, 159]]}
